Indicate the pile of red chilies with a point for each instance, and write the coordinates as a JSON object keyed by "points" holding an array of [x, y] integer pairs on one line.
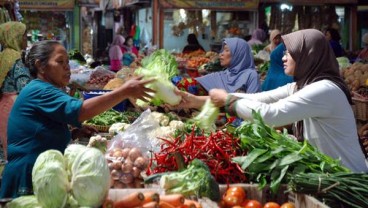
{"points": [[215, 150]]}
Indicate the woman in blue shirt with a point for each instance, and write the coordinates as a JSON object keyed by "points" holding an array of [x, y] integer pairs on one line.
{"points": [[42, 112]]}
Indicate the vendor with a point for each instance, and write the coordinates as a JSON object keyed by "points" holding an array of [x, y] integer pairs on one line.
{"points": [[42, 112], [318, 101], [193, 44]]}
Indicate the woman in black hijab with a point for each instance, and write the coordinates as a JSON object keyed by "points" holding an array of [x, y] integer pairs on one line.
{"points": [[193, 44]]}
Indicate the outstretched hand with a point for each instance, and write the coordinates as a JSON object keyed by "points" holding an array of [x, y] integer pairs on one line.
{"points": [[136, 88], [218, 97]]}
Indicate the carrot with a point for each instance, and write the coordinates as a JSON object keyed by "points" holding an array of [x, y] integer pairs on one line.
{"points": [[108, 203], [131, 200], [163, 204], [173, 199], [189, 203], [152, 204], [150, 196]]}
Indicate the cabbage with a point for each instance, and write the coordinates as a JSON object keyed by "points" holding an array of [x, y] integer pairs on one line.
{"points": [[50, 180], [207, 117], [29, 201], [90, 180], [70, 154]]}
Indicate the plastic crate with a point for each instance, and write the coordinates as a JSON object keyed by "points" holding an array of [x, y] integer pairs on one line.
{"points": [[122, 106]]}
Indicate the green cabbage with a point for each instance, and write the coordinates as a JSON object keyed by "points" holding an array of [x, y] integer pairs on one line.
{"points": [[90, 180], [70, 154], [50, 179], [29, 201]]}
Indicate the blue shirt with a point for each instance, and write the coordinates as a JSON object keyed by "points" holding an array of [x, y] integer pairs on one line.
{"points": [[38, 122]]}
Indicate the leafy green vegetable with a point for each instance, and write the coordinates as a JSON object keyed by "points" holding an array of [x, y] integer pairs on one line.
{"points": [[207, 117], [49, 178], [272, 156], [29, 201], [196, 179], [336, 190], [90, 180]]}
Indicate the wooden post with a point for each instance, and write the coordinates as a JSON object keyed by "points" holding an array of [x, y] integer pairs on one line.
{"points": [[353, 28], [155, 22]]}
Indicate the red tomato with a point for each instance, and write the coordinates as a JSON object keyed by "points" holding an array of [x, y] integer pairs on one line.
{"points": [[236, 191], [253, 204], [271, 205], [231, 201], [288, 205]]}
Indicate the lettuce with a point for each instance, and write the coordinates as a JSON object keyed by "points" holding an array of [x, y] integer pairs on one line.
{"points": [[207, 117], [29, 201]]}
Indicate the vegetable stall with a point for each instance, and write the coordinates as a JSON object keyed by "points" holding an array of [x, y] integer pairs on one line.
{"points": [[147, 155]]}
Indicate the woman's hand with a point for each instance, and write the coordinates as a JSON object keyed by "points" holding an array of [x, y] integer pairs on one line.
{"points": [[135, 88], [84, 132], [187, 100], [218, 97]]}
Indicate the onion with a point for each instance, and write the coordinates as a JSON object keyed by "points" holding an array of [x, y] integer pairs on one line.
{"points": [[115, 174], [127, 166], [138, 183], [126, 178], [119, 185], [140, 163], [136, 172], [117, 164], [117, 153], [134, 153], [125, 152]]}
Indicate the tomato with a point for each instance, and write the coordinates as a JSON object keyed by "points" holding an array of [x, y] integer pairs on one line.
{"points": [[271, 205], [231, 201], [236, 191], [237, 206], [288, 205], [253, 204]]}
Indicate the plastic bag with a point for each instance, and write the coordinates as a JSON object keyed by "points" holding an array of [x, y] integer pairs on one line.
{"points": [[138, 134], [128, 152], [99, 78]]}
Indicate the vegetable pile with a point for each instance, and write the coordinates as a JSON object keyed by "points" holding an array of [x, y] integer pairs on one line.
{"points": [[215, 150], [80, 178], [272, 156], [195, 180], [336, 190]]}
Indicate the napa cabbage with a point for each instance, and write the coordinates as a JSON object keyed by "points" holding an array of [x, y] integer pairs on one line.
{"points": [[29, 201], [207, 116]]}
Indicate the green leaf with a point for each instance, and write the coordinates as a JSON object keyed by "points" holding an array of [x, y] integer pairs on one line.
{"points": [[251, 157]]}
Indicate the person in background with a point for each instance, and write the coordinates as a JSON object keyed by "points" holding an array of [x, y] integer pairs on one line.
{"points": [[363, 54], [239, 75], [258, 36], [276, 76], [43, 110], [116, 52], [319, 102], [129, 47], [193, 44], [13, 74], [333, 36], [275, 40]]}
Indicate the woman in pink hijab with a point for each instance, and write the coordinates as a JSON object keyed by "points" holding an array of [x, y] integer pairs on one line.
{"points": [[116, 53]]}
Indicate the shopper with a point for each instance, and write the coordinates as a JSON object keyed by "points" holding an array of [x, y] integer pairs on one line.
{"points": [[275, 40], [193, 44], [116, 52], [13, 74], [276, 76], [333, 36], [258, 36], [42, 112], [130, 52], [364, 52], [240, 74], [318, 101], [129, 46]]}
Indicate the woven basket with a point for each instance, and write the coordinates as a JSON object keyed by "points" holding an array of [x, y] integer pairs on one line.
{"points": [[100, 128], [360, 108]]}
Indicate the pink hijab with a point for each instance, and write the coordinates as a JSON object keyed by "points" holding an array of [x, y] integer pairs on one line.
{"points": [[115, 51]]}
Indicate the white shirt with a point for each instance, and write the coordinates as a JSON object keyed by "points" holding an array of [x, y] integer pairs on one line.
{"points": [[329, 122]]}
